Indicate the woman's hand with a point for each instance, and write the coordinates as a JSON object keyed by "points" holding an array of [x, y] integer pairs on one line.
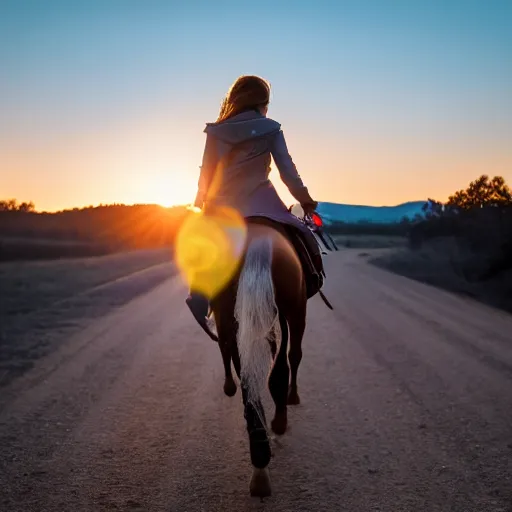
{"points": [[308, 204], [309, 207]]}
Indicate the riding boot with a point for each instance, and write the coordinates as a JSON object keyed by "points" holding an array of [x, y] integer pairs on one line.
{"points": [[199, 307]]}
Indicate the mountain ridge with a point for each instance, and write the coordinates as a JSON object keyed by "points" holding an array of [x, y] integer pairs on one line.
{"points": [[354, 213]]}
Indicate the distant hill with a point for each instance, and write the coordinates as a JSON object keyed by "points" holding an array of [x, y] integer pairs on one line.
{"points": [[26, 235], [334, 212]]}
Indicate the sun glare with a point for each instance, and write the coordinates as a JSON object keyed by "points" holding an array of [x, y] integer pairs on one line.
{"points": [[168, 191], [209, 248], [168, 204]]}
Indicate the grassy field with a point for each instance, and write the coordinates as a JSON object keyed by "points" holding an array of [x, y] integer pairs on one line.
{"points": [[444, 263], [42, 303], [31, 249]]}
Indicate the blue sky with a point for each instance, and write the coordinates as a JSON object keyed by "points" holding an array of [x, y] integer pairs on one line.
{"points": [[105, 101]]}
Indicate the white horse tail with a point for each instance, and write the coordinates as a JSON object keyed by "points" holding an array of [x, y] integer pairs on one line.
{"points": [[257, 315]]}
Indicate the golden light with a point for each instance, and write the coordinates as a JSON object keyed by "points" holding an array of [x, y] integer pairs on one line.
{"points": [[169, 188], [168, 194], [209, 249]]}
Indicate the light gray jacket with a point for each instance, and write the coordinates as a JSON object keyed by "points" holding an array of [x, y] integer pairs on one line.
{"points": [[236, 166]]}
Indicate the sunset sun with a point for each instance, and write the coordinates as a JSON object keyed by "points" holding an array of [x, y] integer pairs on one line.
{"points": [[169, 191]]}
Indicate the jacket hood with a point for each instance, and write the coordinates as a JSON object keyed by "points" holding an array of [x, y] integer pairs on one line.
{"points": [[243, 127]]}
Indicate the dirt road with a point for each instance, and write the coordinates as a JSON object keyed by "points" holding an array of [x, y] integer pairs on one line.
{"points": [[406, 406]]}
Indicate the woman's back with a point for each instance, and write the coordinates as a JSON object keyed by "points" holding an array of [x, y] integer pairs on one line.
{"points": [[241, 149]]}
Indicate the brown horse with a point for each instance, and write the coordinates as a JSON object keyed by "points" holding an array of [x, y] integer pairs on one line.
{"points": [[256, 315]]}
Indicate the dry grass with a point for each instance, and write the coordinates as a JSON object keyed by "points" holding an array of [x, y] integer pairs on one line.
{"points": [[369, 241], [28, 286], [36, 249], [42, 303], [444, 263]]}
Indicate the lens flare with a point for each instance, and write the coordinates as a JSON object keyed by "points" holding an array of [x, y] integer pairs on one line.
{"points": [[209, 248]]}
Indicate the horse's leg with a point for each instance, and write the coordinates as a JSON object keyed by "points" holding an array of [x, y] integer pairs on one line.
{"points": [[229, 382], [297, 326], [279, 380], [259, 446], [226, 330], [259, 443], [273, 345]]}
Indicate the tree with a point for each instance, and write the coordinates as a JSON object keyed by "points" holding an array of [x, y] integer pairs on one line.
{"points": [[432, 208], [9, 205], [12, 205], [481, 193], [27, 207]]}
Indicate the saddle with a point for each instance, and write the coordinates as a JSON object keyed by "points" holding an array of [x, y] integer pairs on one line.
{"points": [[312, 264]]}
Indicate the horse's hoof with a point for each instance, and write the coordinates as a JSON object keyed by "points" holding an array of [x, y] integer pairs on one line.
{"points": [[293, 398], [260, 483], [279, 423], [229, 387]]}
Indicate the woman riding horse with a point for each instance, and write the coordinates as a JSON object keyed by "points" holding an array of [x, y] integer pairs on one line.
{"points": [[236, 167], [261, 309]]}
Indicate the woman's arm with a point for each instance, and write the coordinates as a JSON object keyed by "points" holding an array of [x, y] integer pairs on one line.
{"points": [[207, 170], [288, 171]]}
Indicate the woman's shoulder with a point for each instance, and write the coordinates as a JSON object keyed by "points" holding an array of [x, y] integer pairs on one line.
{"points": [[244, 126], [273, 124], [268, 127]]}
